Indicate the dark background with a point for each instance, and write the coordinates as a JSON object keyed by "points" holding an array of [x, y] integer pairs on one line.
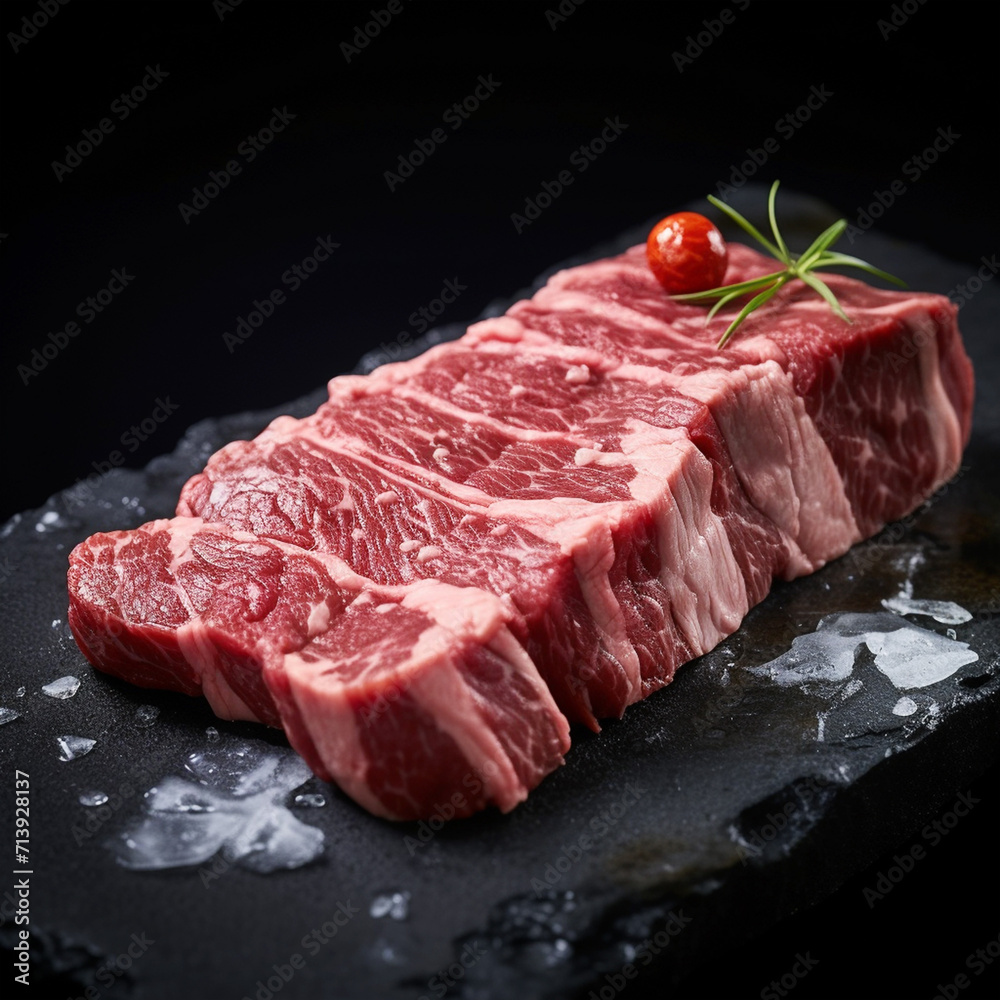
{"points": [[687, 130]]}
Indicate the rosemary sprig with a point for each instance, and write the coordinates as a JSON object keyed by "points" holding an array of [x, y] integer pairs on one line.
{"points": [[817, 255]]}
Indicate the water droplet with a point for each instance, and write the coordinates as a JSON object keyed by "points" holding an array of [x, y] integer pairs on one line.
{"points": [[19, 693], [64, 687], [72, 747], [49, 521], [387, 953], [93, 799], [145, 715], [56, 622], [8, 715], [212, 734], [561, 950], [310, 799], [395, 905]]}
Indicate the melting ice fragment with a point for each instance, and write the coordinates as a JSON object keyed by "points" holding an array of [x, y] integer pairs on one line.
{"points": [[823, 655], [395, 905], [221, 767], [946, 612], [232, 801], [910, 656], [905, 706], [64, 687], [274, 839], [173, 839], [914, 657], [145, 715], [93, 799], [8, 715], [179, 796], [71, 747]]}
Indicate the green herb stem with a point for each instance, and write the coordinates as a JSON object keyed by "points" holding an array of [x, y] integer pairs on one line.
{"points": [[766, 286]]}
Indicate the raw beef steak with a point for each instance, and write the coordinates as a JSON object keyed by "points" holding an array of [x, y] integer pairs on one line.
{"points": [[425, 579]]}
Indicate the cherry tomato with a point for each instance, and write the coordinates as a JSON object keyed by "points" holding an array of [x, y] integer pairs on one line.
{"points": [[687, 253]]}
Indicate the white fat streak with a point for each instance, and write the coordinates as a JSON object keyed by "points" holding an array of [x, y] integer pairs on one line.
{"points": [[444, 695], [946, 430], [708, 596], [780, 458], [502, 328], [330, 719], [591, 546], [198, 649], [478, 418], [550, 350], [319, 619], [396, 470], [553, 299], [468, 611], [513, 653]]}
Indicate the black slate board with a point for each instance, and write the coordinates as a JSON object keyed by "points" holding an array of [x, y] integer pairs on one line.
{"points": [[686, 778]]}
